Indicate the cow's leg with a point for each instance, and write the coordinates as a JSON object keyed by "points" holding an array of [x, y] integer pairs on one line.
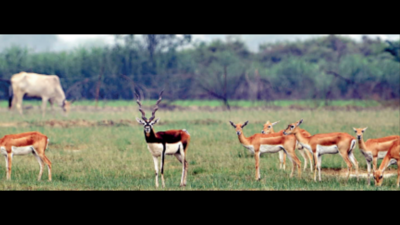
{"points": [[44, 103], [51, 106], [18, 101]]}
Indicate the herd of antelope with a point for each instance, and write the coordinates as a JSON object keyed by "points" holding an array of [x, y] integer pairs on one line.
{"points": [[285, 142]]}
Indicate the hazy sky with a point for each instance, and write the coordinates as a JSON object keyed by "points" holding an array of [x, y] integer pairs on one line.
{"points": [[252, 41], [66, 42]]}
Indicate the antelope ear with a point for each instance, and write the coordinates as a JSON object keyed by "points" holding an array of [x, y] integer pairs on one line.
{"points": [[154, 121], [140, 121], [365, 129], [233, 125], [355, 129], [301, 121], [275, 123], [245, 123]]}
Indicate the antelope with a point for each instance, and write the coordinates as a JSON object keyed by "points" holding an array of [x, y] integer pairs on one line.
{"points": [[392, 156], [47, 87], [271, 143], [373, 149], [268, 129], [170, 142], [23, 144], [330, 143]]}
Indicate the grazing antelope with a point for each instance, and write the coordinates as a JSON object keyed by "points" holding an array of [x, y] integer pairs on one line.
{"points": [[47, 87], [22, 144], [392, 156], [373, 149], [330, 143], [171, 142], [271, 143], [268, 129]]}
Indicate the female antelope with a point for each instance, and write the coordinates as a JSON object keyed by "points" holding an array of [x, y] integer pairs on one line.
{"points": [[330, 143], [171, 142], [268, 129], [373, 149], [392, 156], [261, 143], [22, 144]]}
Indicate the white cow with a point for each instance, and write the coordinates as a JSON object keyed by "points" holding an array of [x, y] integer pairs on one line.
{"points": [[47, 87]]}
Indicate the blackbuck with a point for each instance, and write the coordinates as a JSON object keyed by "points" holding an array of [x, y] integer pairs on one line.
{"points": [[271, 143], [269, 129], [392, 156], [23, 144], [171, 142], [330, 143], [373, 149]]}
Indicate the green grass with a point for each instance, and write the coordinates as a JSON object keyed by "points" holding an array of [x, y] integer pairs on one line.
{"points": [[116, 157]]}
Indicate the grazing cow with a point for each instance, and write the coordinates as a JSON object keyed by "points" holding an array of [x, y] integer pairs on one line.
{"points": [[47, 87]]}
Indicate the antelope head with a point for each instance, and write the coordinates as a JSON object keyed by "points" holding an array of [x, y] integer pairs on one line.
{"points": [[292, 128], [148, 123], [359, 132], [378, 174], [268, 127], [238, 127]]}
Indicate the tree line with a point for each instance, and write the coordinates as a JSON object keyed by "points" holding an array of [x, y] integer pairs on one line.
{"points": [[325, 68]]}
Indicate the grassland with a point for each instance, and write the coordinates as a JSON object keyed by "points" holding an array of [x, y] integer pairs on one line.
{"points": [[104, 149]]}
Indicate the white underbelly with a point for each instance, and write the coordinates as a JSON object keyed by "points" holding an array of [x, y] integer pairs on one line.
{"points": [[382, 154], [332, 149], [22, 150], [307, 147], [156, 149], [250, 148], [270, 148], [18, 150]]}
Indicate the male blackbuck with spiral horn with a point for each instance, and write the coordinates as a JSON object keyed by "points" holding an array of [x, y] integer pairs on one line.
{"points": [[330, 143], [392, 156], [271, 143], [171, 142], [373, 149], [269, 129], [22, 144]]}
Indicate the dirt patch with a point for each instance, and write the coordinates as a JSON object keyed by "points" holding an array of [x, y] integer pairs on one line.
{"points": [[86, 123], [361, 173], [71, 123]]}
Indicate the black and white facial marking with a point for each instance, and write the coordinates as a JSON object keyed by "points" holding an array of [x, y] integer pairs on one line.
{"points": [[147, 125]]}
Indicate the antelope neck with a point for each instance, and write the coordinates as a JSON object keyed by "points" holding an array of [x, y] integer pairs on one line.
{"points": [[361, 144], [244, 140], [301, 138], [384, 164], [151, 137]]}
